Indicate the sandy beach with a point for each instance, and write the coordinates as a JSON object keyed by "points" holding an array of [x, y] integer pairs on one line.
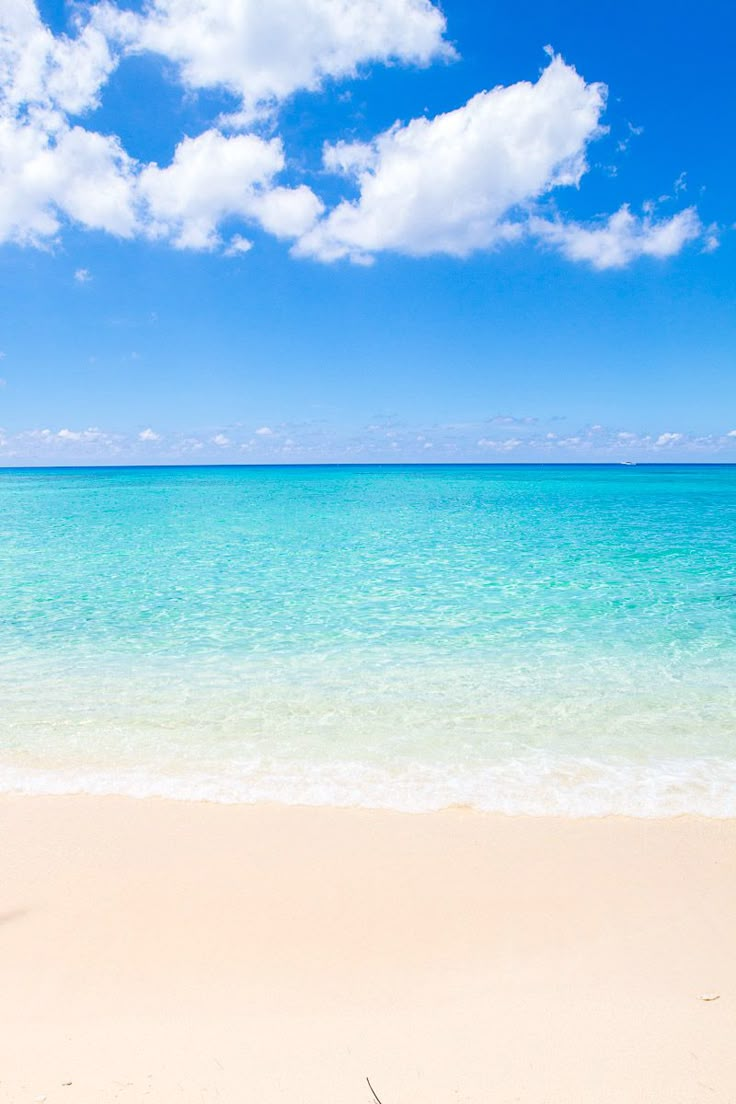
{"points": [[174, 951]]}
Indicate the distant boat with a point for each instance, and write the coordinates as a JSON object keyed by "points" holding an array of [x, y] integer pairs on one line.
{"points": [[628, 463]]}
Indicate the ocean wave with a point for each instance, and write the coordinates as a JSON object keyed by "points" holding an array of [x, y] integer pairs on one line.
{"points": [[539, 785]]}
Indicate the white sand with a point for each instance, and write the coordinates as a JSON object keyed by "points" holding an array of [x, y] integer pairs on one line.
{"points": [[155, 951]]}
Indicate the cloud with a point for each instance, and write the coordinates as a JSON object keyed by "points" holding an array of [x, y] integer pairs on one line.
{"points": [[473, 178], [287, 212], [49, 445], [621, 238], [238, 246], [50, 440], [83, 276], [458, 182], [508, 445], [214, 177], [510, 420], [322, 442], [190, 444], [711, 238], [264, 52], [48, 72], [600, 442], [88, 178], [51, 170], [93, 435], [264, 431], [666, 440], [48, 167]]}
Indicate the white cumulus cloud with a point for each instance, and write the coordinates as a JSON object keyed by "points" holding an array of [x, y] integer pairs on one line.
{"points": [[473, 178], [265, 51], [455, 183], [213, 177], [62, 171], [621, 238], [149, 435], [238, 245], [50, 168], [666, 440], [507, 445], [54, 72]]}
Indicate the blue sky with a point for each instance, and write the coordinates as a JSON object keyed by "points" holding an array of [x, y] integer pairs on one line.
{"points": [[367, 231]]}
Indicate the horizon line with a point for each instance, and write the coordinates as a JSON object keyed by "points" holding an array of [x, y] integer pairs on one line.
{"points": [[386, 464]]}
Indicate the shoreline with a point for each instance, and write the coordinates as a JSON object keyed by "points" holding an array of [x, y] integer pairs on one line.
{"points": [[178, 950], [458, 808], [540, 787]]}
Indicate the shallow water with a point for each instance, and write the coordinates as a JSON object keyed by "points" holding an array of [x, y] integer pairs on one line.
{"points": [[517, 638]]}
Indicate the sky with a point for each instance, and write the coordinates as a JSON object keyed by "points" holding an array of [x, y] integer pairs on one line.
{"points": [[346, 231]]}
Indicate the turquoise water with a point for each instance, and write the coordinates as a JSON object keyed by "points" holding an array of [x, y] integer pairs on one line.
{"points": [[519, 638]]}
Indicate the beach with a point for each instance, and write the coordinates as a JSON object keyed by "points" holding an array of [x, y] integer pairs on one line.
{"points": [[367, 553], [314, 775], [189, 951]]}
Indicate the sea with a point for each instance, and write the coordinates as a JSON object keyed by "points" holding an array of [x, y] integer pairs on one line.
{"points": [[521, 639]]}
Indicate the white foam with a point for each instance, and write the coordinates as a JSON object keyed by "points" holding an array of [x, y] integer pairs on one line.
{"points": [[536, 785]]}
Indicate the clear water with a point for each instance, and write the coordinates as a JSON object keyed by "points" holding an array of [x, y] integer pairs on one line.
{"points": [[524, 639]]}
